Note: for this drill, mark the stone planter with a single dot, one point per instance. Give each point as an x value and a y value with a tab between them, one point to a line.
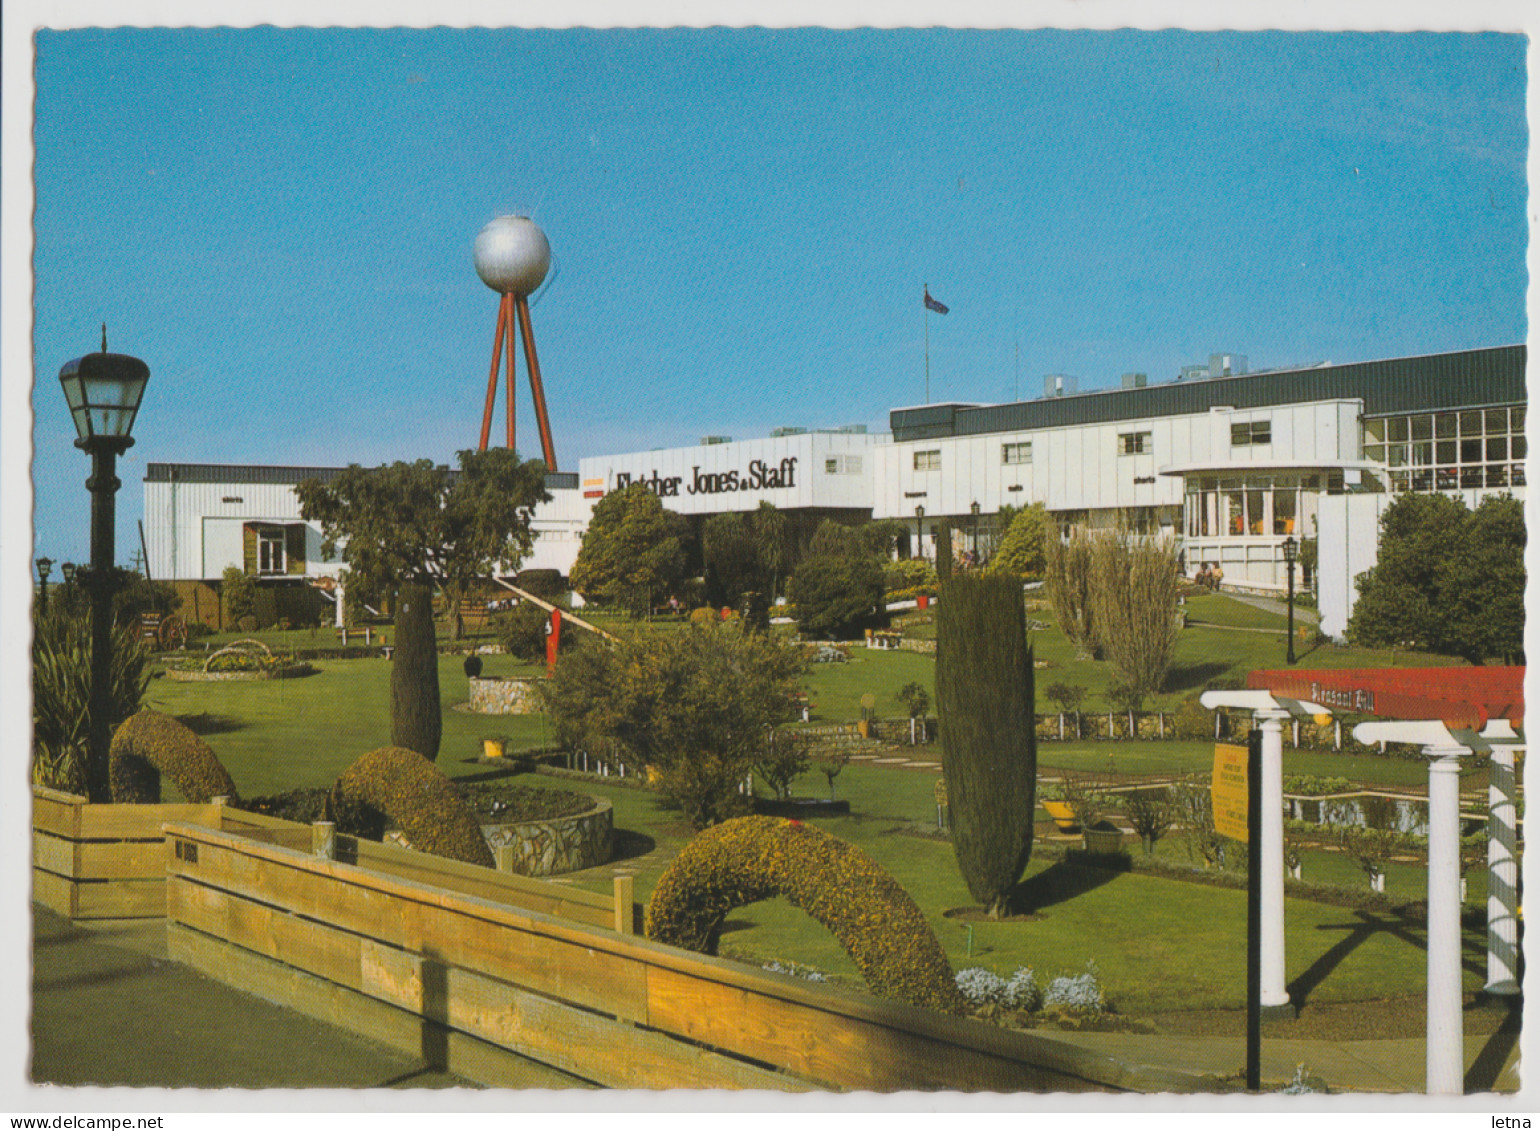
1103	840
555	845
517	696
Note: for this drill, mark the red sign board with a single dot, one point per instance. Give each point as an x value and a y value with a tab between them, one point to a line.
1461	697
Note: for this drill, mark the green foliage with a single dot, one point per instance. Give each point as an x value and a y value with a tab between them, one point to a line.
1448	579
731	554
694	705
631	555
1067	585
1021	552
785	760
61	693
908	575
1134	582
1194	805
416	721
1067	697
836	591
238	590
543	583
150	745
521	630
915	698
984	696
134	594
756	858
1192	719
1309	785
405	787
418	523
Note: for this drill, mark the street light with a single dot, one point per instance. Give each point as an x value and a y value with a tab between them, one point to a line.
919	530
103	391
976	555
1290	556
44	568
68	569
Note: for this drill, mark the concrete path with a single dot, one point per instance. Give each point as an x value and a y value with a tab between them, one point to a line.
1302	615
109	1008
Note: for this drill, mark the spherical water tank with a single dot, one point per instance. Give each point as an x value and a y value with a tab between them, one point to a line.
512	255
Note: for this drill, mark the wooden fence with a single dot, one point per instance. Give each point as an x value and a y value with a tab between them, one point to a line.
478	987
109	862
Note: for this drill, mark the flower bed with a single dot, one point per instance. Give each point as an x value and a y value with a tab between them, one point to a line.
514	696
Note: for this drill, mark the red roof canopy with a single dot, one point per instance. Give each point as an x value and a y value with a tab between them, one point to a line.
1463	697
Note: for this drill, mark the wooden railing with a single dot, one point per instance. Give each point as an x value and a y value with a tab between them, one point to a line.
435	965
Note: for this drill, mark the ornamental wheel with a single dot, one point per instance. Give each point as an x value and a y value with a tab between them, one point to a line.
172	634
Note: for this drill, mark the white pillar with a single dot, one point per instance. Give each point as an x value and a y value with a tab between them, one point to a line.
1502	876
1446	1037
1274	981
340	614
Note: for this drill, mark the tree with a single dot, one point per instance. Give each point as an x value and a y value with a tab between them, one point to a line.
404	528
771	532
731	553
834	595
1447	579
984	697
693	705
1134	581
1067	583
784	760
631	554
1020	552
239	592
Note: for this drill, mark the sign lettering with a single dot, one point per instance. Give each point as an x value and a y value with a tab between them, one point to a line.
1230	791
760	476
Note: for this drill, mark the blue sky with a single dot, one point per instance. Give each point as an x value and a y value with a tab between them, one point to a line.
280	223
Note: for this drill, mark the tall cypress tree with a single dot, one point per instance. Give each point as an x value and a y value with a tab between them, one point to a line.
415	719
984	695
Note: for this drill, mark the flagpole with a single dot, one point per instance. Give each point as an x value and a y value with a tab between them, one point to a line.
926	305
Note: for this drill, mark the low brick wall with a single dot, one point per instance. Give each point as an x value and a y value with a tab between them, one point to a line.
506	696
561	844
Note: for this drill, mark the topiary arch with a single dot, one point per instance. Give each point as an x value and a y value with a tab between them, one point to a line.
150	744
401	784
748	859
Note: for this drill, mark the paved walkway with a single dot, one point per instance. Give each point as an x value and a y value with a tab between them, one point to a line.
1272	605
109	1008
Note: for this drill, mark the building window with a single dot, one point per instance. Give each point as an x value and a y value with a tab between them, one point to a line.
842	465
1445	451
270	555
1134	443
1251	432
1016	453
928	460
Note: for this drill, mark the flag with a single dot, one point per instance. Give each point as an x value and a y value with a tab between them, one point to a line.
932	304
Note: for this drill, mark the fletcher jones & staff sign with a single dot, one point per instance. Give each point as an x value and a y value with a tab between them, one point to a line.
760	476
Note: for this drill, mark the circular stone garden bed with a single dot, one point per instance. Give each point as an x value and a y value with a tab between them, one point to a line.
245	659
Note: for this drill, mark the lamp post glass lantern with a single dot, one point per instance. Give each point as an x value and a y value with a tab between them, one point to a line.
1290	556
103	391
44	568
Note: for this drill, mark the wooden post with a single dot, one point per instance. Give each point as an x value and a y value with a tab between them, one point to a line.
323	839
625	923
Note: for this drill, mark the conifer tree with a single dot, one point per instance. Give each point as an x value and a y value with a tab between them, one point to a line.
984	696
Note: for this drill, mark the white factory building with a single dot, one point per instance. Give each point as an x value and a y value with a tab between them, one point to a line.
1228	462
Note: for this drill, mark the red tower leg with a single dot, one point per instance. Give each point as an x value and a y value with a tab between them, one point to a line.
497	354
547	448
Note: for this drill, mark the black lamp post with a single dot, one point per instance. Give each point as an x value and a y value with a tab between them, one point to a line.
103	390
68	569
44	568
977	557
919	531
1290	556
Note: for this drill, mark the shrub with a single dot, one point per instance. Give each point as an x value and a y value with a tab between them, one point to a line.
151	744
521	630
1193	720
61	697
909	574
404	786
1309	785
1022	991
753	858
988	733
1134	600
784	761
1079	995
981	986
836	595
543	583
238	590
1151	812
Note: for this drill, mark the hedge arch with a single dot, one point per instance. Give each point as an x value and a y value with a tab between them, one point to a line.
150	744
400	783
748	859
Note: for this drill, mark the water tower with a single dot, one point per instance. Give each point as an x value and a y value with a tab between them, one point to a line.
512	257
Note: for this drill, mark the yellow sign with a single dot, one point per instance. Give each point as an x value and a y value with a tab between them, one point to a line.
1229	791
